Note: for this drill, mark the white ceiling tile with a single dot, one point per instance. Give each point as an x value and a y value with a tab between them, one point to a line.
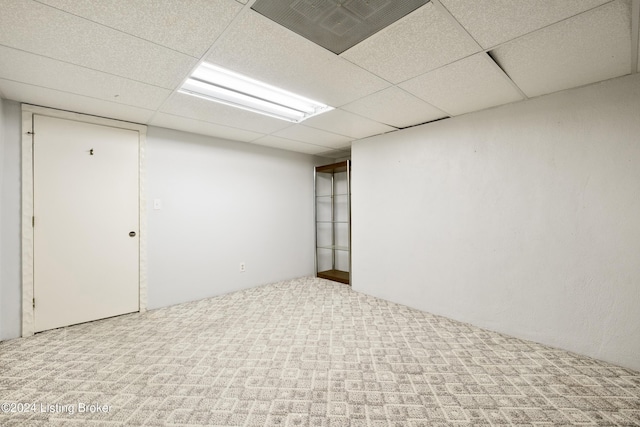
314	136
43	30
77	103
348	124
588	48
421	41
40	71
203	128
341	81
258	47
492	22
470	84
395	107
164	22
287	144
200	109
342	146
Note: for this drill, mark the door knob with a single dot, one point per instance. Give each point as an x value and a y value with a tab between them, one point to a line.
132	234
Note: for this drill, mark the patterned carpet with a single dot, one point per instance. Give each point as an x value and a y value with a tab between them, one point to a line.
305	352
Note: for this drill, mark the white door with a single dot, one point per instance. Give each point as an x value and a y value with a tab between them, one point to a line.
85	215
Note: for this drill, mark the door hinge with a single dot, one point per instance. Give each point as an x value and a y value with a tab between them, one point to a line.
34	303
33	221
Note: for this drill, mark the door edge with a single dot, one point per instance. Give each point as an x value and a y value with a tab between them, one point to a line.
27	232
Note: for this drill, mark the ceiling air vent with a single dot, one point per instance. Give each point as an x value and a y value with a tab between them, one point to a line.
336	25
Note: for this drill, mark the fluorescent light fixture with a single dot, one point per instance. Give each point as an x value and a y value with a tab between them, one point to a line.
216	84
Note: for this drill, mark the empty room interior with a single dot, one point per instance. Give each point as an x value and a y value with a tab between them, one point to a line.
319	212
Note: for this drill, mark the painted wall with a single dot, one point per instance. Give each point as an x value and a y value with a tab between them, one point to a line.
1	181
224	203
10	269
523	219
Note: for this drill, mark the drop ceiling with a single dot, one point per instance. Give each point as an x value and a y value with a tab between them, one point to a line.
126	59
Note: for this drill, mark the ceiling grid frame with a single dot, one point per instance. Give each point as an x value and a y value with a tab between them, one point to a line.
446	13
111	28
504	74
497	66
199	62
59	91
586	48
512	39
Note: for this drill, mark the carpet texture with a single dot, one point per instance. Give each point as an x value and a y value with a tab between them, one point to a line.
306	352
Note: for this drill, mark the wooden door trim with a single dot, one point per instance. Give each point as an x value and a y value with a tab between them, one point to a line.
28	111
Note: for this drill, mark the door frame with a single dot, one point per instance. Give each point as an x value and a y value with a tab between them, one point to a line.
28	111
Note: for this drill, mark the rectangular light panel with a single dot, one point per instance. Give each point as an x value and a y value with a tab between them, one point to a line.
217	84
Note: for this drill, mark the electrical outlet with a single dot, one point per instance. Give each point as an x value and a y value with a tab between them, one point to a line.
243	267
157	204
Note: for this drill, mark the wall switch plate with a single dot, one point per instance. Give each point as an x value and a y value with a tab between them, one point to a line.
157	204
243	267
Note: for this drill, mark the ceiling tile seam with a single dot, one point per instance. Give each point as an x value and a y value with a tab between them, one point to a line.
367	71
635	34
387	28
115	29
426	123
296	141
200	61
76	94
542	95
447	14
439	67
503	44
167	99
88	68
395	127
446	65
155	112
205	121
499	45
426	102
496	66
382	90
310	127
391	85
252	140
452	19
351	138
364	117
280	130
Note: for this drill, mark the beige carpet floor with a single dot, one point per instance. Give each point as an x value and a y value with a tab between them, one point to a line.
306	352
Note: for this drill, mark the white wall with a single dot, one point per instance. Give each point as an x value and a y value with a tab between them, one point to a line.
1	204
10	269
224	203
524	219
